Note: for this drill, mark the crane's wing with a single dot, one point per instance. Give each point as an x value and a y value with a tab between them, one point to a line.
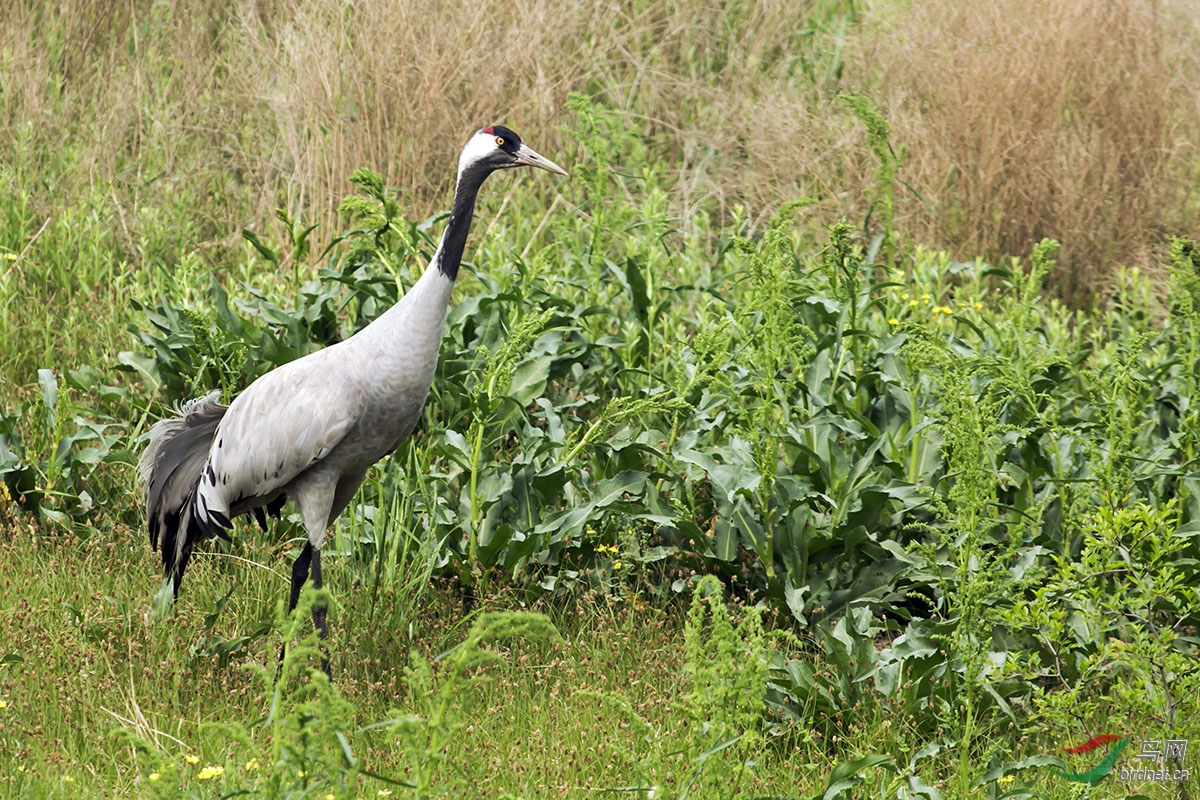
282	424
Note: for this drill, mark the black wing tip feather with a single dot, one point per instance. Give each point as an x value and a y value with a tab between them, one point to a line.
197	530
169	525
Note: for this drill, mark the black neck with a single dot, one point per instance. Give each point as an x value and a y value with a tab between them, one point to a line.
454	238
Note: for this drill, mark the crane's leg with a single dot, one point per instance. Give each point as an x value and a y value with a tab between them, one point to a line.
300	570
299	575
306	564
313	495
319	612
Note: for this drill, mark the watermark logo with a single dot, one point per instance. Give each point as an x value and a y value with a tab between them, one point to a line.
1156	752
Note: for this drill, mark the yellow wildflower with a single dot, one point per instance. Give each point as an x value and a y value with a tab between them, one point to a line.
251	765
904	295
616	565
3	704
68	779
893	321
191	759
209	772
913	303
978	304
153	776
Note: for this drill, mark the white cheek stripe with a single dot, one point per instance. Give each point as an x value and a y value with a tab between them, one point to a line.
480	146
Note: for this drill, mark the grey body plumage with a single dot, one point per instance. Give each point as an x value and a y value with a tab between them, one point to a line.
308	430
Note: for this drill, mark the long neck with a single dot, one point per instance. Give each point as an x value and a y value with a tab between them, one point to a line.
450	252
416	320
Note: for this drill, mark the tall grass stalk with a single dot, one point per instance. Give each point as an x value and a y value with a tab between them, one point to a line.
970	425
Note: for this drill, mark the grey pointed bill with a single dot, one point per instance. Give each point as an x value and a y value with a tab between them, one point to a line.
528	158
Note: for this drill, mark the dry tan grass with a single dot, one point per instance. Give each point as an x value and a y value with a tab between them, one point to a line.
283	98
399	84
1075	120
1021	119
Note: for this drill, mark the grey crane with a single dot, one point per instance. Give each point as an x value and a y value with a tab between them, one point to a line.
309	430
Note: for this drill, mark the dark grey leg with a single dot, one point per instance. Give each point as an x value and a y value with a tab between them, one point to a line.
319	612
300	575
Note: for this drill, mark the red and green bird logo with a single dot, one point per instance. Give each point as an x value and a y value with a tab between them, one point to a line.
1106	764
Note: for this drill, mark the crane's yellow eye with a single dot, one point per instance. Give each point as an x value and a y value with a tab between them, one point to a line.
499	141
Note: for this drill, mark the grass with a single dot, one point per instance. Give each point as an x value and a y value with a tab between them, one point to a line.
954	521
542	721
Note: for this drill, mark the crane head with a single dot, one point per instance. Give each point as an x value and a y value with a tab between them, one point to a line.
497	147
